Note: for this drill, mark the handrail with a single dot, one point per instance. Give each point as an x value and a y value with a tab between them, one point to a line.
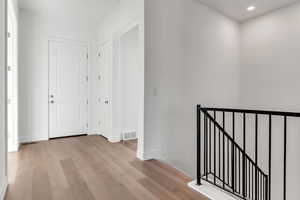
239	165
233	142
210	115
262	112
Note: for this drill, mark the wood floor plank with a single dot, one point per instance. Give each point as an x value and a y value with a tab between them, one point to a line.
78	187
160	192
129	180
168	182
131	144
126	175
91	168
40	179
172	171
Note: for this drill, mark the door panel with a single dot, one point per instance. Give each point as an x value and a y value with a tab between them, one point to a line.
67	89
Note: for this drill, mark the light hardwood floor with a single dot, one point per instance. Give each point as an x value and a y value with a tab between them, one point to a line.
89	167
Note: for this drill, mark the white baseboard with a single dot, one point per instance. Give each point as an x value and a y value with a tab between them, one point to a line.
166	161
30	140
210	191
92	133
151	154
114	140
14	148
140	155
3	189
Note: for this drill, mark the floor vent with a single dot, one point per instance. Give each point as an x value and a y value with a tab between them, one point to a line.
129	135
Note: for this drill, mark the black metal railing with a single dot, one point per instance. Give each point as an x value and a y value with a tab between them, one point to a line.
223	156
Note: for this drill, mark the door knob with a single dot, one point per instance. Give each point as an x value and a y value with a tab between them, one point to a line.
52	101
51	96
106	102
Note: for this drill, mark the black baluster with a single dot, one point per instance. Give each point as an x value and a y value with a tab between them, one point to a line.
214	148
223	160
270	156
284	168
199	145
256	155
233	172
223	151
210	148
244	156
205	131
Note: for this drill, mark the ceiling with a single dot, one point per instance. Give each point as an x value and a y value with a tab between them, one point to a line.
237	9
88	9
96	9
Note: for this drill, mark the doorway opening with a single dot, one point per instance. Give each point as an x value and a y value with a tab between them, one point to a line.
130	87
120	98
12	79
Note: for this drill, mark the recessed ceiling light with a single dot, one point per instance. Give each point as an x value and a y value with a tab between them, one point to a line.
251	8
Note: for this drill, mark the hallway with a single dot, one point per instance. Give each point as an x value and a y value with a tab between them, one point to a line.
89	167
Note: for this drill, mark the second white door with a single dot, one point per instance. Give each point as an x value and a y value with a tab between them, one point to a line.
105	91
68	88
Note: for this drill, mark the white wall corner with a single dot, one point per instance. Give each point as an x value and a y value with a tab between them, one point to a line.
3	189
151	154
140	155
14	148
114	139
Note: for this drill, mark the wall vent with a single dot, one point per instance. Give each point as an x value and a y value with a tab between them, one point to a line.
129	135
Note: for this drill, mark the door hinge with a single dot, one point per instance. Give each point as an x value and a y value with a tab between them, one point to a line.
8	34
87	125
9	68
87	101
99	54
87	78
87	56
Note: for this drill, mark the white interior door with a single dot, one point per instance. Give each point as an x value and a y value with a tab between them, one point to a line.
105	92
68	88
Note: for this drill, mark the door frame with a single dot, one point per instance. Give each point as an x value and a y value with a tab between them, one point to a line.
140	154
5	96
11	13
111	137
61	39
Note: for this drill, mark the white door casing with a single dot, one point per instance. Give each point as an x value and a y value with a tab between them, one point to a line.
105	64
68	88
11	83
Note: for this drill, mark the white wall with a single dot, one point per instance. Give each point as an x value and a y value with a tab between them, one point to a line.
3	142
129	67
270	60
270	47
35	31
192	57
